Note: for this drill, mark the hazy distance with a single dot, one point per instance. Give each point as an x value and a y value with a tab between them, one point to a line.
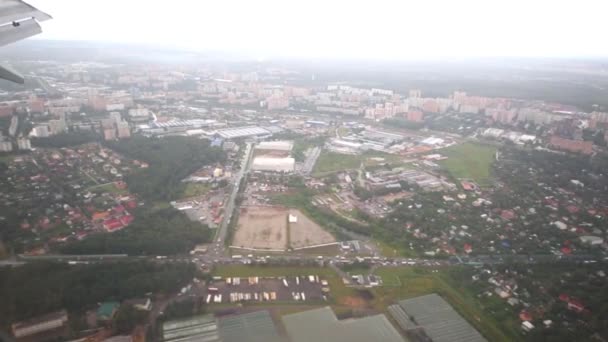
380	29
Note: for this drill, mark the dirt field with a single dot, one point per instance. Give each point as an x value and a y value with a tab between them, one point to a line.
305	232
261	228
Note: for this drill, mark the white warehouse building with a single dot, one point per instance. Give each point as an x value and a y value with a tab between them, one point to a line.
273	164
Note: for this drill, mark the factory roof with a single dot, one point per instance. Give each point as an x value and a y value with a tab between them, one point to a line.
438	319
322	325
237	132
255	326
282	145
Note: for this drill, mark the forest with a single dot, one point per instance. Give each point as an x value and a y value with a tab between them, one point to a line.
170	160
42	287
159	232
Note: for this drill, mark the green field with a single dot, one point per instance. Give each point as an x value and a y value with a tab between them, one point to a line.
417	281
195	189
108	187
469	161
330	162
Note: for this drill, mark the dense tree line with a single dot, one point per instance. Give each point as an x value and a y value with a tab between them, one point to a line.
38	288
65	139
160	232
170	159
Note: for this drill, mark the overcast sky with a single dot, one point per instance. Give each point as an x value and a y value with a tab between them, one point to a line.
394	29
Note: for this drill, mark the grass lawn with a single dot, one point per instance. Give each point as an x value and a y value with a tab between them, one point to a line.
416	282
343	131
195	189
469	160
109	187
389	251
330	162
6	158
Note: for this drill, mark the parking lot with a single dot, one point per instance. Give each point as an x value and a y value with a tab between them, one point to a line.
283	289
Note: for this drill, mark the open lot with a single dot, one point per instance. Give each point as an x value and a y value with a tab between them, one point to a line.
469	161
306	232
261	228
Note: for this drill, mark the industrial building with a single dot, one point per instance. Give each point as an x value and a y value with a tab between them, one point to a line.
440	321
255	326
268	164
198	328
323	325
280	145
243	132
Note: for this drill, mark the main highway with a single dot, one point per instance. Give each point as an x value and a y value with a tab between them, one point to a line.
217	250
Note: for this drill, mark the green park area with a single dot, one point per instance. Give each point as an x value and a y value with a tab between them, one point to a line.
469	161
331	162
108	187
399	283
195	189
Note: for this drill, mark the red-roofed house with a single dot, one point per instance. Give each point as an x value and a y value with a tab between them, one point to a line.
112	224
100	215
131	204
576	146
572	209
575	305
120	185
566	250
118	209
468	186
468	248
126	219
564	297
525	315
507	214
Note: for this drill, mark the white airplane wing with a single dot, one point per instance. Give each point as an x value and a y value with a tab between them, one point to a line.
18	20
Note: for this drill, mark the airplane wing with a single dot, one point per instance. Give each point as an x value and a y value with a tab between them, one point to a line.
18	20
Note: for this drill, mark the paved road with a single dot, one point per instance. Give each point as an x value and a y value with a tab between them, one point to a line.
222	230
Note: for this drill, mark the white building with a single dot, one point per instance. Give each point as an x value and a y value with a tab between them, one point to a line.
592	240
24	144
6	146
40	131
273	164
282	145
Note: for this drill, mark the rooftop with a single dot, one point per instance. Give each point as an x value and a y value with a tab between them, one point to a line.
322	325
252	327
199	328
439	320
